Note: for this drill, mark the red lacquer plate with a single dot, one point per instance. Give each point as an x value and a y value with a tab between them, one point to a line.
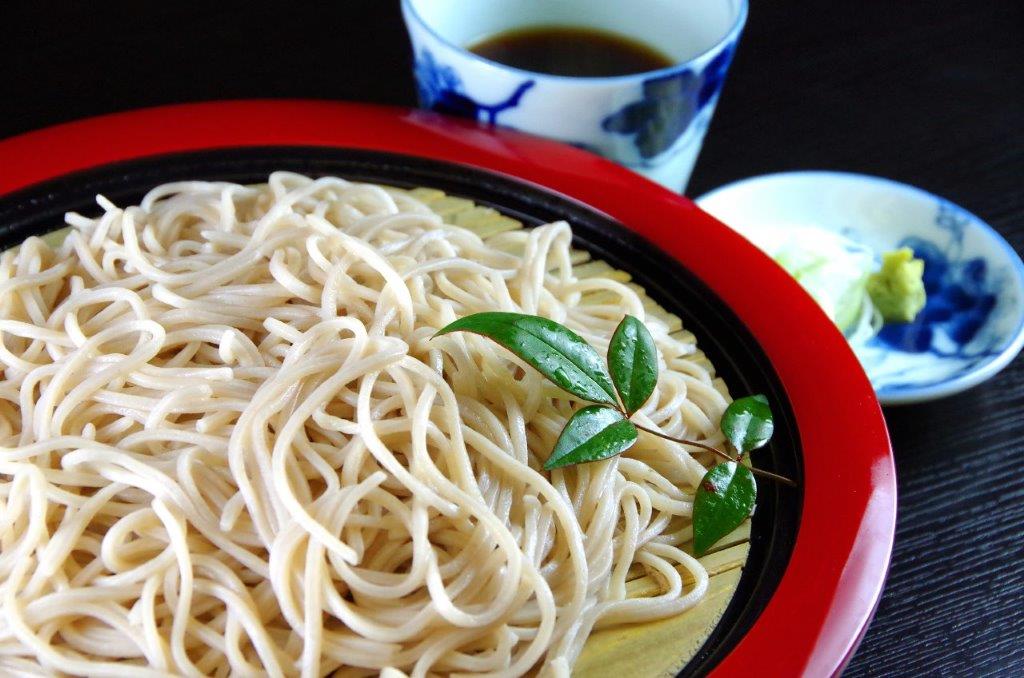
817	573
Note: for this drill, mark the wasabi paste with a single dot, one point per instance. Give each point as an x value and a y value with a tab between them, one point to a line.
897	289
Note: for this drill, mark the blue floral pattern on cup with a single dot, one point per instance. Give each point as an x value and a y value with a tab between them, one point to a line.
440	89
655	129
669	105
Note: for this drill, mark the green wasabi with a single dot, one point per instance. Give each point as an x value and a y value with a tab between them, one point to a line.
897	289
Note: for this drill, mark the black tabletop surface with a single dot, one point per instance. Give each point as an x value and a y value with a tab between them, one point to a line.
930	92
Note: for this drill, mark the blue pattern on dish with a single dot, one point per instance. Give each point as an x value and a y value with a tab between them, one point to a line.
954	324
440	89
668	106
959	303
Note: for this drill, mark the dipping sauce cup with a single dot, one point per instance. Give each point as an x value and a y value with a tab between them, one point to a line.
652	122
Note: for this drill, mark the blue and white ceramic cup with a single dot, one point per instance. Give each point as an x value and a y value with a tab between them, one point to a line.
652	122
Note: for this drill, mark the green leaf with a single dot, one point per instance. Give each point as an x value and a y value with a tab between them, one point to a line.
725	498
633	360
747	423
593	433
554	350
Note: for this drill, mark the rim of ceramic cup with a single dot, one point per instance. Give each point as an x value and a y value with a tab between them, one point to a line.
728	37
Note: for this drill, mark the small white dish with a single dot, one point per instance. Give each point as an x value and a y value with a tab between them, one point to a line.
973	323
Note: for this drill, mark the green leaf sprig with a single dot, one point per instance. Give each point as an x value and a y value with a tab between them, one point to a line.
727	493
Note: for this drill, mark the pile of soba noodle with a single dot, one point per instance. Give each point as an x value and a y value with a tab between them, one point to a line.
230	446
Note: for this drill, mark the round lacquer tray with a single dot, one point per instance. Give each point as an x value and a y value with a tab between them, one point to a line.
799	594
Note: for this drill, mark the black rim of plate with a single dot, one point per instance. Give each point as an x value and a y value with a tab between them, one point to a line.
730	346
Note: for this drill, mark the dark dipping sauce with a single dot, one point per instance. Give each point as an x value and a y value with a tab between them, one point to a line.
570	51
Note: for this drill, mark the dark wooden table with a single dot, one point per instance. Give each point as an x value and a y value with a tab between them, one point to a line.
929	92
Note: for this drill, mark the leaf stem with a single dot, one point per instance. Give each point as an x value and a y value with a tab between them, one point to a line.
715	450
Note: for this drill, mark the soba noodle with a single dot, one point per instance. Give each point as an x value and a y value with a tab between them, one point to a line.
229	445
